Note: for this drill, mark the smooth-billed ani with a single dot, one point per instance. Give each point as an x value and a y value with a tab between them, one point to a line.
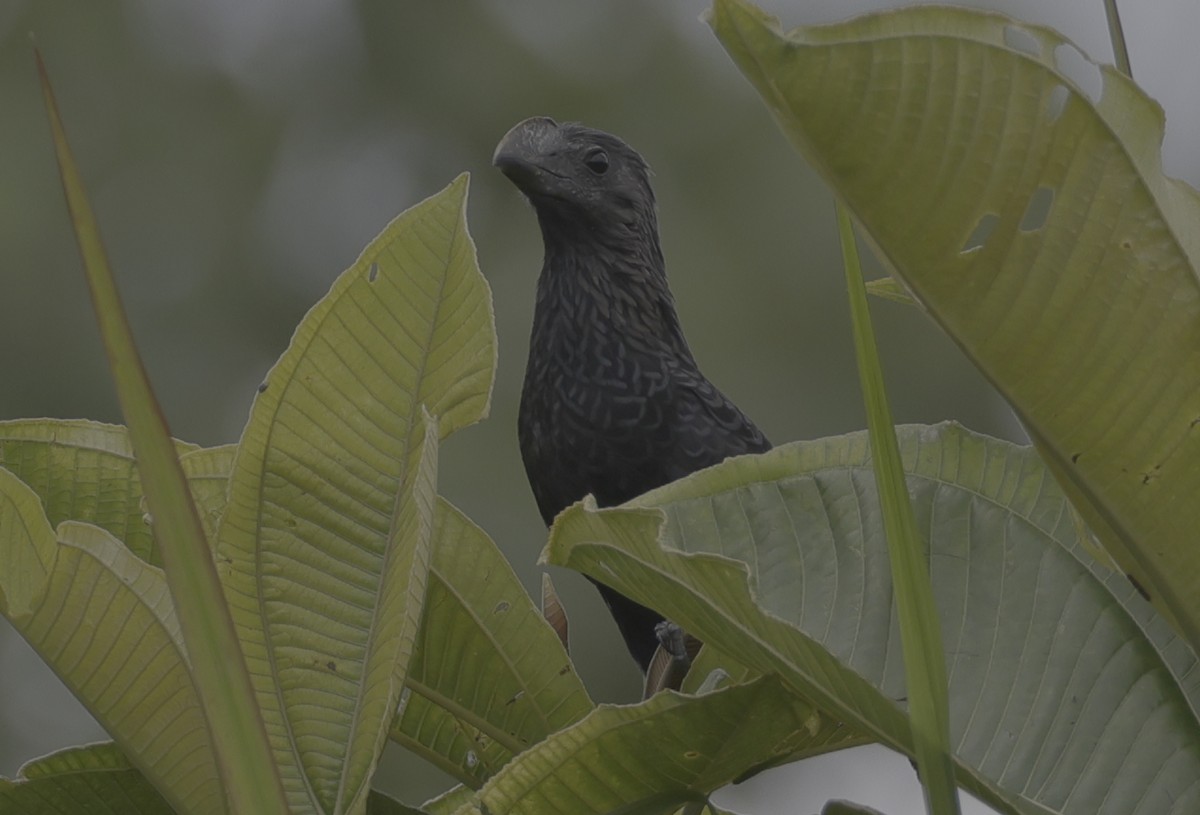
613	402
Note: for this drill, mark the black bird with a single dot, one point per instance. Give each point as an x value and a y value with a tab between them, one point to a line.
613	402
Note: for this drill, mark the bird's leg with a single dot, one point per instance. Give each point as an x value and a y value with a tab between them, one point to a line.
672	660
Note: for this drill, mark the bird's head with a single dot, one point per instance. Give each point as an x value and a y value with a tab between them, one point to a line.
578	176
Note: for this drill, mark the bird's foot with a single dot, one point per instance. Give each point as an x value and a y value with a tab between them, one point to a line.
671	661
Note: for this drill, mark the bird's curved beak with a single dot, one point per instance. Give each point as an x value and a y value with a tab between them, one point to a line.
521	154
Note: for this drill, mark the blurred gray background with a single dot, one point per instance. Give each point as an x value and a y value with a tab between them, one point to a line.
240	154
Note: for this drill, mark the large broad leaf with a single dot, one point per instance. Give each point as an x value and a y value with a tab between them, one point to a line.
449	801
324	542
1067	693
1017	190
489	677
103	620
712	670
98	780
85	471
93	780
650	758
484	652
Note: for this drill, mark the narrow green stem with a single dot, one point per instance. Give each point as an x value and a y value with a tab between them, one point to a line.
241	748
1117	34
920	630
505	740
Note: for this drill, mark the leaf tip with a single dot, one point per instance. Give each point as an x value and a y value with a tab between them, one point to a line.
460	185
43	74
735	14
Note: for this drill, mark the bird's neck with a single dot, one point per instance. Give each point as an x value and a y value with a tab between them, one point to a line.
608	288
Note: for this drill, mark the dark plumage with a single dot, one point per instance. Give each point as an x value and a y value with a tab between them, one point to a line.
613	402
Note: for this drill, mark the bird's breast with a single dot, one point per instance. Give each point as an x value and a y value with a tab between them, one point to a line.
603	387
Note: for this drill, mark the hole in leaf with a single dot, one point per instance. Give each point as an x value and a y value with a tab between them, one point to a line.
1037	210
373	273
1080	70
983	231
1020	39
1056	103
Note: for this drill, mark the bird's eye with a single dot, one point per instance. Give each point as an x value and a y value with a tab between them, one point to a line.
596	161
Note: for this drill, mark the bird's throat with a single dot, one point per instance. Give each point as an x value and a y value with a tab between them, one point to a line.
605	297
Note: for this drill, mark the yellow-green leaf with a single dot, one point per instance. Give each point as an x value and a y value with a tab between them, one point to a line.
779	561
329	470
207	472
130	669
490	677
1017	190
890	289
649	758
96	780
85	471
99	780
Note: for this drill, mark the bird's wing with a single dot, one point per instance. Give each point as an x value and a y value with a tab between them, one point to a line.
707	426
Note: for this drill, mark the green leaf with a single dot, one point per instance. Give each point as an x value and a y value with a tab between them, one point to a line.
99	780
380	804
449	801
507	673
1033	222
207	472
1067	694
396	620
130	669
243	754
85	471
27	549
890	289
920	633
649	758
331	500
709	809
712	670
490	677
92	780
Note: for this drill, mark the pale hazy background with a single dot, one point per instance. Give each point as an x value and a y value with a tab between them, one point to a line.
240	154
